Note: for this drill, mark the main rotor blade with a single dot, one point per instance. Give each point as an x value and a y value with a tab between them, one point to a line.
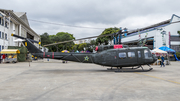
136	30
76	40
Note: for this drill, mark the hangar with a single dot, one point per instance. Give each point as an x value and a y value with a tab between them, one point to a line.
164	33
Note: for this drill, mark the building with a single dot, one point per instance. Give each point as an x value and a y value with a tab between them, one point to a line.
161	34
14	23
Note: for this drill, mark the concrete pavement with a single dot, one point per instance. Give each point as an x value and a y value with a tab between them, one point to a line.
54	81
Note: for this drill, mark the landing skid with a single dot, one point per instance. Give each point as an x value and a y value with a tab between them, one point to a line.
130	70
110	68
119	69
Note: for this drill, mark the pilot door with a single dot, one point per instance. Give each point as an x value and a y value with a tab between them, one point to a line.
147	56
140	57
111	58
127	58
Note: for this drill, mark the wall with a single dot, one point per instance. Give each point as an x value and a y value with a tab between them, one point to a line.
156	34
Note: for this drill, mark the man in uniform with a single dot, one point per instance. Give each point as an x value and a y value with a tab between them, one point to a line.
162	61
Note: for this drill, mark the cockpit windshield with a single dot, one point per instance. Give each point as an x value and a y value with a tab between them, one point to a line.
147	54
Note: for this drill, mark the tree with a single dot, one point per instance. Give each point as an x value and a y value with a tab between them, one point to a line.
179	33
82	46
91	46
106	39
45	39
59	37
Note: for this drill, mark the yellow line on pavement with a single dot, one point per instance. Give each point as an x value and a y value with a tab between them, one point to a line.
158	78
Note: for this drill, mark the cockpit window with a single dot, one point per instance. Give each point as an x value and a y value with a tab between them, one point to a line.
131	54
147	54
122	55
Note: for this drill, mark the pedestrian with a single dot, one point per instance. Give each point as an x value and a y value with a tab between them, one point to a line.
0	58
3	57
162	61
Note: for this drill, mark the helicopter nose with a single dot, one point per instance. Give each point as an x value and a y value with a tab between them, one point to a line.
154	57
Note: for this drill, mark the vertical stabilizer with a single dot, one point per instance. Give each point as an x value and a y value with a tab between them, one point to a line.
31	47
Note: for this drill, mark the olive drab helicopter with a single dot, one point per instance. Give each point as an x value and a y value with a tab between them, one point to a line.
107	55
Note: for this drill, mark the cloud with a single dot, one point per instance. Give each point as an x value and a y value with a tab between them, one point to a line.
132	14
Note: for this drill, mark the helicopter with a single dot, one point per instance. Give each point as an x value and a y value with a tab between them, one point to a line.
107	55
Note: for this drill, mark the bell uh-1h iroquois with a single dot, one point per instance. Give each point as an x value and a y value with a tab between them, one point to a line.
108	55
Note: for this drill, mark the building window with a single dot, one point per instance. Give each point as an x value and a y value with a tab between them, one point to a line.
0	34
122	55
0	21
6	24
3	35
3	22
2	47
131	54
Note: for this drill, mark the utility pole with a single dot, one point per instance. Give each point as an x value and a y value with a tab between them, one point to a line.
163	33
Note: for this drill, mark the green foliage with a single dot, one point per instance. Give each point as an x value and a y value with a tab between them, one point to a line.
59	37
82	46
179	32
65	36
178	54
75	47
105	39
91	46
45	39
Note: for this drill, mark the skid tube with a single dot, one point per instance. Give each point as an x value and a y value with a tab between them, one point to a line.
119	69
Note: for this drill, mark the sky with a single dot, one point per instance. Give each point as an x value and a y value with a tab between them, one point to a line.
86	18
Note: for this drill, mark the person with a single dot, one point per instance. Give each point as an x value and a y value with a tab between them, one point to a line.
162	61
0	58
3	57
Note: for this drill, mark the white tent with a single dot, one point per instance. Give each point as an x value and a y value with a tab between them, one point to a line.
158	51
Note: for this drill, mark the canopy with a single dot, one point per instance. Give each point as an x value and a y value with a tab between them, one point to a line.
158	51
65	51
164	48
10	51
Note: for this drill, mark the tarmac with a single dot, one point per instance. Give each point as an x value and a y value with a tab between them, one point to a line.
53	80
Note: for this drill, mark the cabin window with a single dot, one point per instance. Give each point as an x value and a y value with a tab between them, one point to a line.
147	54
111	47
105	48
5	36
131	54
139	54
122	55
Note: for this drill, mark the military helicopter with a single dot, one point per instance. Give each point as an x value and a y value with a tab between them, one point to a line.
108	55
